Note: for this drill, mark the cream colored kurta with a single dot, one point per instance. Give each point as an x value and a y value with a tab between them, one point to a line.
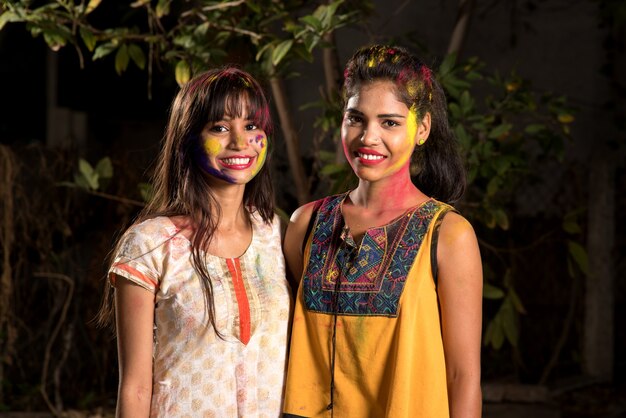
197	374
389	359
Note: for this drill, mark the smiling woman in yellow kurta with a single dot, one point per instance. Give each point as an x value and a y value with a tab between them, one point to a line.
389	359
388	319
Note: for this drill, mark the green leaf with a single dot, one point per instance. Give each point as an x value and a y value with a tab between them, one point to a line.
492	292
261	51
501	219
139	3
89	175
327	156
579	255
163	8
7	17
103	50
92	5
88	38
516	301
182	73
493	186
466	102
312	21
254	6
497	337
280	51
508	319
54	39
146	191
121	59
137	55
448	64
330	169
534	128
571	227
455	111
500	130
104	168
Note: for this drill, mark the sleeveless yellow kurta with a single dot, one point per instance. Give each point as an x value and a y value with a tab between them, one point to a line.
388	350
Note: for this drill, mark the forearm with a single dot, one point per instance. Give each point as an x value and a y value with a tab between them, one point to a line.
464	396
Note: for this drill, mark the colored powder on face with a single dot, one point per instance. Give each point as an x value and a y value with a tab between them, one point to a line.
241	141
262	155
409	143
259	140
218	174
411	123
212	146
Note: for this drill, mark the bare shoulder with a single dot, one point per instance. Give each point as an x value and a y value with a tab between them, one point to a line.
458	254
302	215
456	231
293	244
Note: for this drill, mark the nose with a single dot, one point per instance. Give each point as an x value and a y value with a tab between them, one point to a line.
370	137
238	139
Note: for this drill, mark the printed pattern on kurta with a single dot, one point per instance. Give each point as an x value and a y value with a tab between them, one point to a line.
195	373
389	351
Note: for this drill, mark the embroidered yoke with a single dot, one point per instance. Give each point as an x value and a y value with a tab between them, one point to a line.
388	349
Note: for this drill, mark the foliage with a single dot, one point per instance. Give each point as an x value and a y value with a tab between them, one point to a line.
188	36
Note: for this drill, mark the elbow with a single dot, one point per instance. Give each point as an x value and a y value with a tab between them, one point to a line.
134	399
464	394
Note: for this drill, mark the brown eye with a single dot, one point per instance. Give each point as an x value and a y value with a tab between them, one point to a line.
390	123
353	119
218	128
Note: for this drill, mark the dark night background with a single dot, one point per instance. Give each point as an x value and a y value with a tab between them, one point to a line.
52	112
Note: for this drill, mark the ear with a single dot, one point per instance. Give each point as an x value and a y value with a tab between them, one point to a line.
423	130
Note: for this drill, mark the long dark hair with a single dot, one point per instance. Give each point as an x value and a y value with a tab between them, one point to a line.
180	186
441	171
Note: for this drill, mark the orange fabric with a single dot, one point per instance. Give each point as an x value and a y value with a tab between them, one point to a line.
136	273
242	299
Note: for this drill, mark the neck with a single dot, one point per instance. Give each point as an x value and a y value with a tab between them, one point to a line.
397	192
230	200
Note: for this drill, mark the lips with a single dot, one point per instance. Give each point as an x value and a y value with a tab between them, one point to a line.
236	162
369	157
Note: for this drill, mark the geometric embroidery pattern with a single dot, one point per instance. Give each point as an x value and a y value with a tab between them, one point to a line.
367	280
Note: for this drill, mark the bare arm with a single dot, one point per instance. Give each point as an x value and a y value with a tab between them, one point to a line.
292	245
460	295
134	312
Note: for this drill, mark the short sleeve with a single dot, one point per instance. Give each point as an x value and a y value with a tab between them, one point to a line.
140	256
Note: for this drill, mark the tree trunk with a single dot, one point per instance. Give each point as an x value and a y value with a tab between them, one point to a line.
461	26
599	314
291	139
331	75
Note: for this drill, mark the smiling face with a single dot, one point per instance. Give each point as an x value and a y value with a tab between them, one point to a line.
233	149
379	132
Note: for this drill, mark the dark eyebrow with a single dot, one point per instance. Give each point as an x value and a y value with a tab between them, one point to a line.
352	110
390	115
381	116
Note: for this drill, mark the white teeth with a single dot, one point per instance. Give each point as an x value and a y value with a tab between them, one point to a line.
236	161
371	157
